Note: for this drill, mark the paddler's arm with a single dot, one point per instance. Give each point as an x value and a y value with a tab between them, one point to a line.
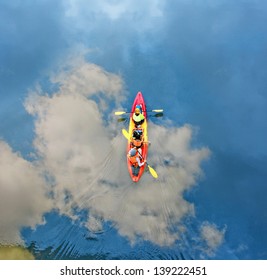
139	162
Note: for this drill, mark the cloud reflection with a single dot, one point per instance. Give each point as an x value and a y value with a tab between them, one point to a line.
86	159
80	161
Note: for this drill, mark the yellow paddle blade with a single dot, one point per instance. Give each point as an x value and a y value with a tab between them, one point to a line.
120	113
157	110
125	134
152	171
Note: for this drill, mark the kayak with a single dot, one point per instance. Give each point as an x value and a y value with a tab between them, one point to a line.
137	138
138	101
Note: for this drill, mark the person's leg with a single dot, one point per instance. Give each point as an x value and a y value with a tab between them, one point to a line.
135	170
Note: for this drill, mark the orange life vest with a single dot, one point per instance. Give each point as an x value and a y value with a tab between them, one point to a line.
133	160
137	143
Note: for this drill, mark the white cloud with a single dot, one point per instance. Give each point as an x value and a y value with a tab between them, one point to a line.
23	197
87	79
85	160
212	236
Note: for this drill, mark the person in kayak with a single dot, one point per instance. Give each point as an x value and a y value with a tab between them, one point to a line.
137	139
138	117
136	161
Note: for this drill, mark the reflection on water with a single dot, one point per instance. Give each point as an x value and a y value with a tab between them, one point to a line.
94	210
111	220
60	238
99	213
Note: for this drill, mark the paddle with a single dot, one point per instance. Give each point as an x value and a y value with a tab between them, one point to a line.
125	134
123	112
158	115
151	169
122	119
